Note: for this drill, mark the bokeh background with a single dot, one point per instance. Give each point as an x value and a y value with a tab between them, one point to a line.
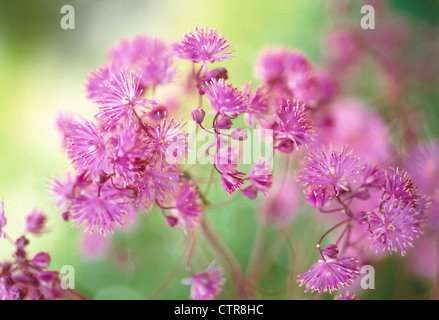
42	72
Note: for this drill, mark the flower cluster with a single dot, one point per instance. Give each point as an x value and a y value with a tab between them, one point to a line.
333	181
27	278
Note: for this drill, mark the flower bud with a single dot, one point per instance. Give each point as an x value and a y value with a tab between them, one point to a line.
35	222
21	242
224	123
198	115
250	192
331	251
41	260
171	221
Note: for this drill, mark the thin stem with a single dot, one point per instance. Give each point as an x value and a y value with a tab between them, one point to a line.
191	250
168	280
209	180
8	237
226	202
327	232
258	248
222	250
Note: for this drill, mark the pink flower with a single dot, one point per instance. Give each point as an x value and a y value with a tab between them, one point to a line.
335	170
400	186
100	210
156	182
205	45
292	127
224	98
86	149
169	141
261	177
258	104
205	285
394	226
330	275
120	100
187	205
288	74
151	58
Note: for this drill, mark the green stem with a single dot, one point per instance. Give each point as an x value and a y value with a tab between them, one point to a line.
229	260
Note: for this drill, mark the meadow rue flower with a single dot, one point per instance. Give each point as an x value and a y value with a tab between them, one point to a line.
169	140
292	127
399	185
156	182
224	98
87	149
334	170
288	73
257	102
151	58
120	100
100	210
261	176
330	275
202	46
205	285
394	226
187	206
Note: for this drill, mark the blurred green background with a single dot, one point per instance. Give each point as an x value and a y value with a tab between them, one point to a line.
42	72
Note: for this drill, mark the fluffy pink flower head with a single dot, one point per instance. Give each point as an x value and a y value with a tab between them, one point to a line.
100	210
261	178
86	149
224	98
335	170
399	185
149	57
292	127
288	73
156	183
257	103
2	219
120	100
330	275
204	45
205	285
187	205
169	140
394	226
